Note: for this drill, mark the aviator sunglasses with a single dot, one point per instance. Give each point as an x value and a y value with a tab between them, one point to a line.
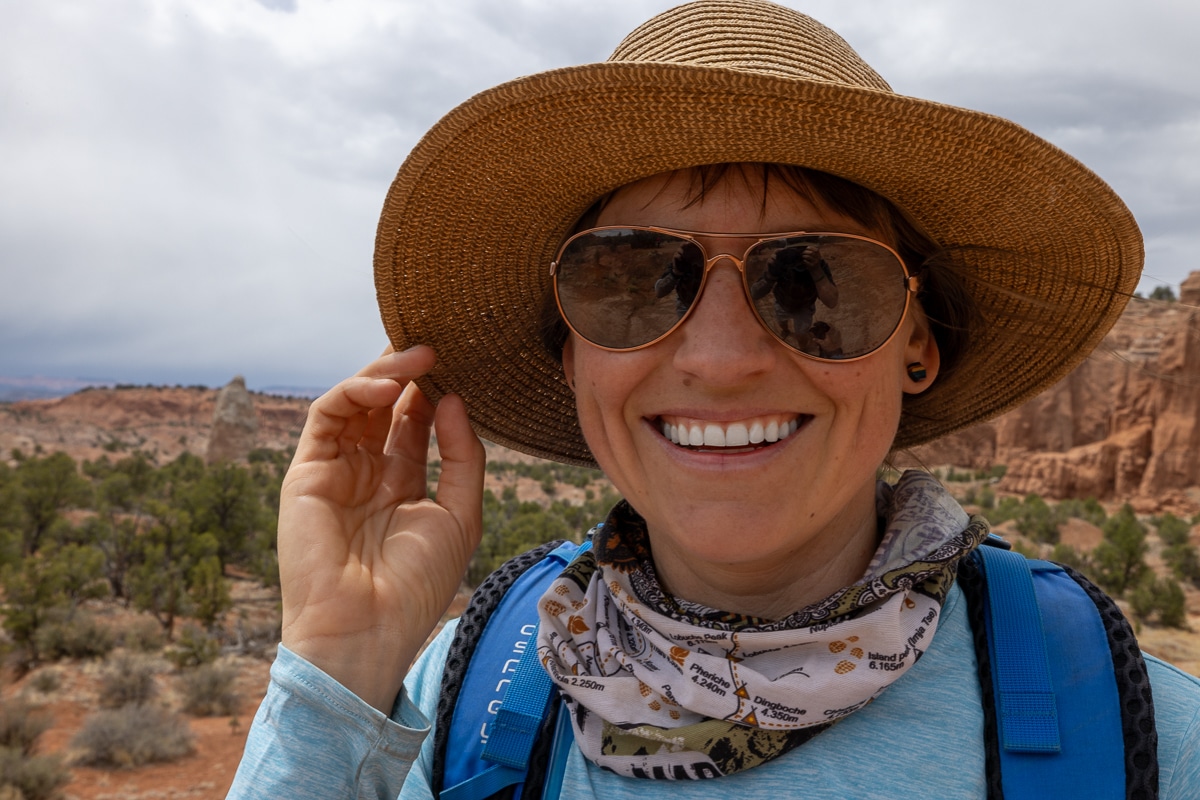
828	296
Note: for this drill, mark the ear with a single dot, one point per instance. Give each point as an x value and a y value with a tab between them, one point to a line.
568	361
921	348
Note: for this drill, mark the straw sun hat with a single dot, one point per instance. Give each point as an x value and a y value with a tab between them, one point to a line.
480	206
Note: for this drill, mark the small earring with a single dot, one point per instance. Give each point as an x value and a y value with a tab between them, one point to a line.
916	371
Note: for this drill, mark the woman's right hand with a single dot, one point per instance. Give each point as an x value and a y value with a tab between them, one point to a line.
367	563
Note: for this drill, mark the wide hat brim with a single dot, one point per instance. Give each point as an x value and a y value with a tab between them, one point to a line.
479	208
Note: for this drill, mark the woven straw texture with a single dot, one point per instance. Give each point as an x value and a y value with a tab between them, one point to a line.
480	206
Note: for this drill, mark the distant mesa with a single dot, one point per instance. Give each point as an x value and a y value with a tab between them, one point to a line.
235	424
40	387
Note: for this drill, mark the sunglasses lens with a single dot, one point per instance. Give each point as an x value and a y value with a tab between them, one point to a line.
828	296
831	297
625	287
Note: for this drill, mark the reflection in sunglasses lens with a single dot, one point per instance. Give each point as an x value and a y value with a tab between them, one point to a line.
831	297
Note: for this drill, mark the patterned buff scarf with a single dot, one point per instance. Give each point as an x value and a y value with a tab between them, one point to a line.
662	688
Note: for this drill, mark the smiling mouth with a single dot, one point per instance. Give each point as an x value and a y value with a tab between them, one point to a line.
744	434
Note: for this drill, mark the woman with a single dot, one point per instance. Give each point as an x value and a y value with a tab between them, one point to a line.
759	608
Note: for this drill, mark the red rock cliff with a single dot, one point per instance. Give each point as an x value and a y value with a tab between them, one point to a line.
1124	425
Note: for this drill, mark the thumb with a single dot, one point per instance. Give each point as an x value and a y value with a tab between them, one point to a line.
460	485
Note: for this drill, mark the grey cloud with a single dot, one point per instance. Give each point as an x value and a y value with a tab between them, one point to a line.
189	202
288	6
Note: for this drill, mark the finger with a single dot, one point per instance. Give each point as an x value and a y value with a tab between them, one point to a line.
402	366
411	424
331	415
375	432
398	367
379	420
460	486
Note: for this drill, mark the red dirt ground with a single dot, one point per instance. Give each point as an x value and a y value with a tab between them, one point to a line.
206	773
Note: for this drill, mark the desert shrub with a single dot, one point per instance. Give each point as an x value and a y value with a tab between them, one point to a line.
1183	561
1161	597
21	725
24	777
1088	510
46	680
257	638
1008	508
1037	520
143	635
131	736
193	648
23	774
1066	554
1026	548
78	636
1119	559
208	691
209	591
987	498
1172	530
127	681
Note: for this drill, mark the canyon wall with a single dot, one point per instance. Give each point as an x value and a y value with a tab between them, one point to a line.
1124	425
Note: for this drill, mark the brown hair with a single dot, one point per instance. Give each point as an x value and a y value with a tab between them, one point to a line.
944	298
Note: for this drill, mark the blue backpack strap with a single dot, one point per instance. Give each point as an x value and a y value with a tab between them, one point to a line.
483	603
1056	700
506	696
564	737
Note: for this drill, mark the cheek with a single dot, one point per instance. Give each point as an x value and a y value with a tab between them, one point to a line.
612	392
601	381
867	397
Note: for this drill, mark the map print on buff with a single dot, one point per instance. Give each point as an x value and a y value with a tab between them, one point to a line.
659	686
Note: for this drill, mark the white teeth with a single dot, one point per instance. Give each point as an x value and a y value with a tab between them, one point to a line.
736	435
714	436
756	432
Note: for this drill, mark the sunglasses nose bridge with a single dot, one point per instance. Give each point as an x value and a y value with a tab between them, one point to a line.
711	263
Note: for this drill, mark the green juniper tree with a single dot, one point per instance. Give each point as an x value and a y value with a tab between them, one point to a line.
1120	559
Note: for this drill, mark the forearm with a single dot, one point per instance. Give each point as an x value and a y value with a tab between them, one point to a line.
313	738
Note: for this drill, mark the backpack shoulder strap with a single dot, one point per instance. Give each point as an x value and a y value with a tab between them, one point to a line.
1055	716
495	704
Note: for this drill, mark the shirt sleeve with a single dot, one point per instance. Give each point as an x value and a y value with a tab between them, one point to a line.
1177	717
314	738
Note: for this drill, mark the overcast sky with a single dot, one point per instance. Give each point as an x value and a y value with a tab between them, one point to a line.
189	188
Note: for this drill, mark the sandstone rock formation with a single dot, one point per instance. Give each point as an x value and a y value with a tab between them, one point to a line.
160	421
1124	425
235	424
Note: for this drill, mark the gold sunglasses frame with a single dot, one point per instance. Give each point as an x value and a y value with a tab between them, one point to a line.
912	283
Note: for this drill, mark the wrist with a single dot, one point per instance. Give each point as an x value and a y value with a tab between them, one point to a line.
374	673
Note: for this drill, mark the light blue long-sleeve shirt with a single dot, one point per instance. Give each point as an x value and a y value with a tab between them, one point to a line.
923	737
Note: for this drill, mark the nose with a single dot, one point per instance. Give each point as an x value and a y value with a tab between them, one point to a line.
722	343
